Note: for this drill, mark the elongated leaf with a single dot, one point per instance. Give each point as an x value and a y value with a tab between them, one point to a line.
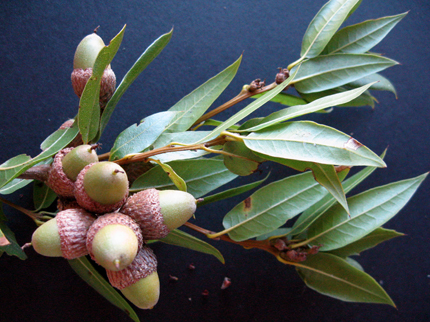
179	238
324	25
313	213
369	210
376	237
296	111
332	276
285	99
43	196
231	192
137	138
331	71
12	168
201	176
8	242
177	180
271	206
242	160
365	99
192	106
89	274
239	116
354	8
362	37
14	185
182	138
89	108
139	66
309	141
382	83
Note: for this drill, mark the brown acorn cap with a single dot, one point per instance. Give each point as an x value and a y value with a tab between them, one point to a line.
112	219
73	225
143	265
57	179
67	203
85	201
107	86
144	208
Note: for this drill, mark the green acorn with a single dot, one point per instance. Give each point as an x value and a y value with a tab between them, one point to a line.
83	64
101	187
65	235
139	282
159	212
113	241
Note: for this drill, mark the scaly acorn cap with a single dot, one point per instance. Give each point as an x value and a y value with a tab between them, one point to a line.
57	179
110	180
113	241
65	235
159	212
143	265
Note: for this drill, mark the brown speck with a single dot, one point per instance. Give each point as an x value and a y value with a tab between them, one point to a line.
248	203
352	144
191	267
205	293
226	283
173	278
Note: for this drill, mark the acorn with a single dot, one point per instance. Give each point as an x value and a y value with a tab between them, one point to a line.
113	241
101	187
159	212
65	167
83	64
65	235
139	282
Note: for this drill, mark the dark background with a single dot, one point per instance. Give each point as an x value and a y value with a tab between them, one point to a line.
38	40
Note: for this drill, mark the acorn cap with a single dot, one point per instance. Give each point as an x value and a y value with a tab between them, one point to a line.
85	201
57	179
144	208
112	219
143	265
67	203
73	225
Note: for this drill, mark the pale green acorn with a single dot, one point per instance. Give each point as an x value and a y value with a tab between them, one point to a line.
139	282
63	236
83	64
159	212
113	241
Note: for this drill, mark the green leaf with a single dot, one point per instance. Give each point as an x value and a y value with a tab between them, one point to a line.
324	25
296	111
43	196
182	138
376	237
179	238
313	213
284	99
354	8
8	241
230	192
369	210
239	116
14	185
242	160
312	142
271	206
89	274
89	108
139	66
331	71
362	37
138	137
334	277
365	99
201	176
212	122
192	106
382	83
12	168
177	180
280	232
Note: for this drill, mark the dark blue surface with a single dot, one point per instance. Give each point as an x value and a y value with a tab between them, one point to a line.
38	40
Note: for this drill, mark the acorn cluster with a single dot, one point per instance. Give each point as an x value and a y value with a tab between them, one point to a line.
98	217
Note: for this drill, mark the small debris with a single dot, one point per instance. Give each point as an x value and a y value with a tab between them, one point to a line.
191	267
173	278
190	299
205	293
226	283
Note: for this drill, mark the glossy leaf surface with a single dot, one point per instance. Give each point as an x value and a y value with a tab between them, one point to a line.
43	196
